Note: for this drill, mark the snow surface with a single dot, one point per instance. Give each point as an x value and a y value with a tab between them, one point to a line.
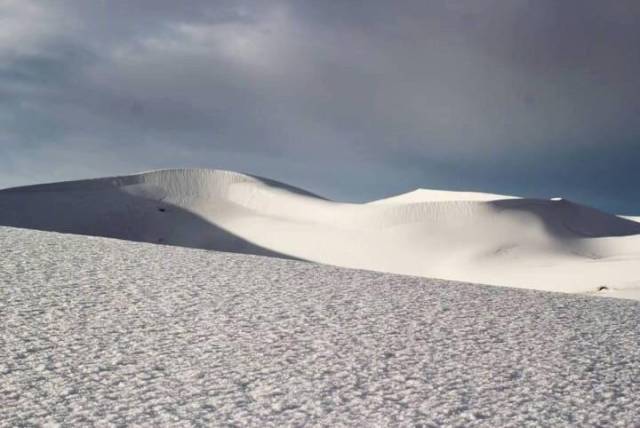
112	332
429	195
555	245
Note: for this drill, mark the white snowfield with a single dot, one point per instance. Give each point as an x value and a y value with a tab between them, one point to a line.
108	332
555	244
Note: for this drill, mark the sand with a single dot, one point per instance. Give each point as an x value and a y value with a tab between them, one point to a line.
107	332
553	245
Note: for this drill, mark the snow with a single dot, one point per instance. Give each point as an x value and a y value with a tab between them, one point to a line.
113	332
430	195
553	245
632	218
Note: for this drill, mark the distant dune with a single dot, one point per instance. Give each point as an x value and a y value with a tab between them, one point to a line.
553	245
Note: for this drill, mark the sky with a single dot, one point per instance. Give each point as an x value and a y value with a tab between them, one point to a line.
351	99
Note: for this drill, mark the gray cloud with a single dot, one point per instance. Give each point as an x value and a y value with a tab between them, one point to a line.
355	99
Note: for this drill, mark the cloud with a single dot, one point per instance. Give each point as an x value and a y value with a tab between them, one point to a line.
25	25
490	95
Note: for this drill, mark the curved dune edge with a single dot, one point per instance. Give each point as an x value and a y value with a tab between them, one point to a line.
554	245
430	195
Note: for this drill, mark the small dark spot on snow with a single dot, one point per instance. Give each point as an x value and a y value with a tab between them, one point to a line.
162	209
516	374
603	288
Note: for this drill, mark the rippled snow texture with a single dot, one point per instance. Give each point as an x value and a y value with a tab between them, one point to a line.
99	330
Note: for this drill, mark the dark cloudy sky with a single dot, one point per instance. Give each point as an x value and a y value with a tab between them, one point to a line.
352	99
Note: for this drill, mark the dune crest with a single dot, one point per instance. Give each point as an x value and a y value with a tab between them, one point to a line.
430	195
554	244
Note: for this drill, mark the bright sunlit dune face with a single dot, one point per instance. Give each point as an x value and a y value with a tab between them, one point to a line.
496	239
429	195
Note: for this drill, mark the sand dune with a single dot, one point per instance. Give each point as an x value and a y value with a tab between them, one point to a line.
106	332
556	245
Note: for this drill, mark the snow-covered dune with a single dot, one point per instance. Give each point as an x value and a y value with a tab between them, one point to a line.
496	239
104	332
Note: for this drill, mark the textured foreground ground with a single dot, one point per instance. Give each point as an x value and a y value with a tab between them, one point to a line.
99	330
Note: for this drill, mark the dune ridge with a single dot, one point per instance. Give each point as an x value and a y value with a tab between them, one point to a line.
556	245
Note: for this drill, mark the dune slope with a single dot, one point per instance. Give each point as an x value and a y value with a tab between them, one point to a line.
541	244
115	333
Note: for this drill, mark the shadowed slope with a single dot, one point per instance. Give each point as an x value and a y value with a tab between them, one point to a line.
135	208
566	218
